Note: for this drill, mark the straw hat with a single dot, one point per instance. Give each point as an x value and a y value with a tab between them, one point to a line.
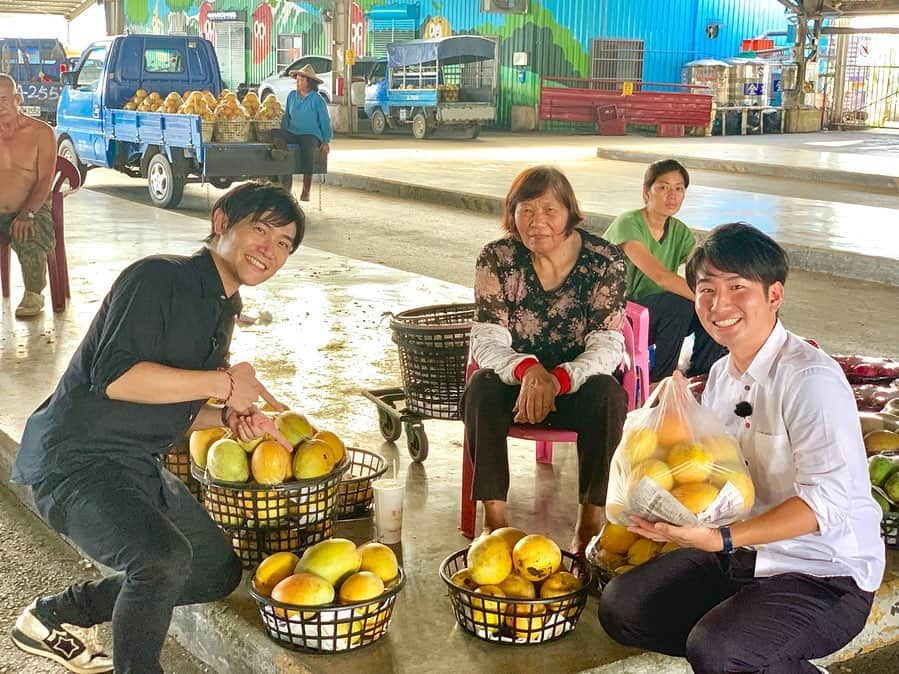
306	71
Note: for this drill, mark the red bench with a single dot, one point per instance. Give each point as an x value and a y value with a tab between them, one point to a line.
669	111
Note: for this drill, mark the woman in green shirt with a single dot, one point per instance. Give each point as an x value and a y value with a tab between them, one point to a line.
656	245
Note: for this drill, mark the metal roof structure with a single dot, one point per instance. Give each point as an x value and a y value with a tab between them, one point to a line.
817	8
67	8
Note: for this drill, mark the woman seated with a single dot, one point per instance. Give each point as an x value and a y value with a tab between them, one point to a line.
657	244
547	337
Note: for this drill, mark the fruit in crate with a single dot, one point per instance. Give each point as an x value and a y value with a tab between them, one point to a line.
251	103
891	487
463	578
525	620
312	459
517	587
302	589
536	557
510	534
334	560
558	585
265	506
270	463
360	586
273	570
294	426
336	448
201	441
881	441
380	560
490	560
227	461
486	611
880	468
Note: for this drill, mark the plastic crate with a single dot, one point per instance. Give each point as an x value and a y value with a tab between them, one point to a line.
516	621
433	348
331	628
355	495
889	529
177	462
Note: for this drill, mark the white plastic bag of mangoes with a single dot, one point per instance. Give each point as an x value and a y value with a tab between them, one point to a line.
676	463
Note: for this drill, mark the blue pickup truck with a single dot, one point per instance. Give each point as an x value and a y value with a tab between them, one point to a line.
168	149
36	65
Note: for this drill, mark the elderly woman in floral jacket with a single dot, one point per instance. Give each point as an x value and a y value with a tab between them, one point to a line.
547	336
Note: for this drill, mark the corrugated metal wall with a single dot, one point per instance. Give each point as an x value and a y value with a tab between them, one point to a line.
557	35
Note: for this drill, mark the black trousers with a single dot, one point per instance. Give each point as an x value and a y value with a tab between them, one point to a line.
596	411
671	319
709	607
164	547
309	147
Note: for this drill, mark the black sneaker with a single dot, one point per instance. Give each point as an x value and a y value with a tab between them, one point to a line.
73	648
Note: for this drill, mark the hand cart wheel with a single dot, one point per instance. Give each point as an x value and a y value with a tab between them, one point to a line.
390	425
417	441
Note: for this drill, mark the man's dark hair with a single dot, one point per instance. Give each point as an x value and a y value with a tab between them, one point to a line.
657	168
262	202
535	182
740	248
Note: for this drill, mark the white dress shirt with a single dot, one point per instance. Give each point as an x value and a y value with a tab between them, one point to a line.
803	438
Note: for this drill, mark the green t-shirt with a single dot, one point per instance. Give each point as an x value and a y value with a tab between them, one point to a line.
672	251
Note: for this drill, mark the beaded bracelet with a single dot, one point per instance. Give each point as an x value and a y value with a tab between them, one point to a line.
226	400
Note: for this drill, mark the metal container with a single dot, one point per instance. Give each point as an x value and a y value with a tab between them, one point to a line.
748	81
709	73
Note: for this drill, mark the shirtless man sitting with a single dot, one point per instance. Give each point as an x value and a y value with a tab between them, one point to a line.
27	165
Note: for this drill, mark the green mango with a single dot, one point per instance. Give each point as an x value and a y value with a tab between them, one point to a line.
891	487
880	468
881	501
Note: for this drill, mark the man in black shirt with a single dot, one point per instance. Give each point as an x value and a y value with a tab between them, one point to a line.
153	356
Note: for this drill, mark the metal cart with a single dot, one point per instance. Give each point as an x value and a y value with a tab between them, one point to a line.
433	346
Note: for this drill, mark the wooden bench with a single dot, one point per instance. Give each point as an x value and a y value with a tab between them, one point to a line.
669	111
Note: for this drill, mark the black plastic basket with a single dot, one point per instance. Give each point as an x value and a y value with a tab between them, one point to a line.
355	495
177	462
333	628
516	621
433	347
300	503
254	545
889	529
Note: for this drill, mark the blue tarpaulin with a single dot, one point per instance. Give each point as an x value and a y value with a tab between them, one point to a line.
447	50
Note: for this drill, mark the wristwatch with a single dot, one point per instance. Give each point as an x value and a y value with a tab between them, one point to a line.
28	214
727	542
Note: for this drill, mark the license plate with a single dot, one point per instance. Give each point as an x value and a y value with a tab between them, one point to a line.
32	110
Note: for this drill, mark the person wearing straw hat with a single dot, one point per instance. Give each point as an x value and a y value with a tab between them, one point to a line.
305	123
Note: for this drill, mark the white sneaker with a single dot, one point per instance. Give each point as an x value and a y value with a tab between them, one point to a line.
31	305
74	648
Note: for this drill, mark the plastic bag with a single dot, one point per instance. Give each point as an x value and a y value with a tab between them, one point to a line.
676	463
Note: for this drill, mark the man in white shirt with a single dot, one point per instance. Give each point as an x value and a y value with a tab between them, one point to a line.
795	580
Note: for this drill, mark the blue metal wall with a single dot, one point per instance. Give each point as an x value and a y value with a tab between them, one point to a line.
557	34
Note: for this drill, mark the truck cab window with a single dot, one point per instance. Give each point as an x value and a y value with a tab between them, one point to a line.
91	69
163	61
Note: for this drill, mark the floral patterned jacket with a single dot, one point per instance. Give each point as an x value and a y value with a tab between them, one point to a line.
576	326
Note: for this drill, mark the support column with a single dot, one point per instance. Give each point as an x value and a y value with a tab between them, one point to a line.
115	16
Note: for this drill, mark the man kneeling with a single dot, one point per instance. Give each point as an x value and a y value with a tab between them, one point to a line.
796	580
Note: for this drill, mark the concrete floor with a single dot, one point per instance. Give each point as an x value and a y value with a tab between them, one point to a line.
328	339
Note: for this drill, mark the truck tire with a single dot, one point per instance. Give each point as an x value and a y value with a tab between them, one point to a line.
221	183
420	128
66	150
378	122
166	186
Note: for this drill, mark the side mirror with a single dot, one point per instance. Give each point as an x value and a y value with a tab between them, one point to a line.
68	78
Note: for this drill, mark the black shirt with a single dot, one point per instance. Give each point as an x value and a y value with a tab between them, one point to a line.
164	309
